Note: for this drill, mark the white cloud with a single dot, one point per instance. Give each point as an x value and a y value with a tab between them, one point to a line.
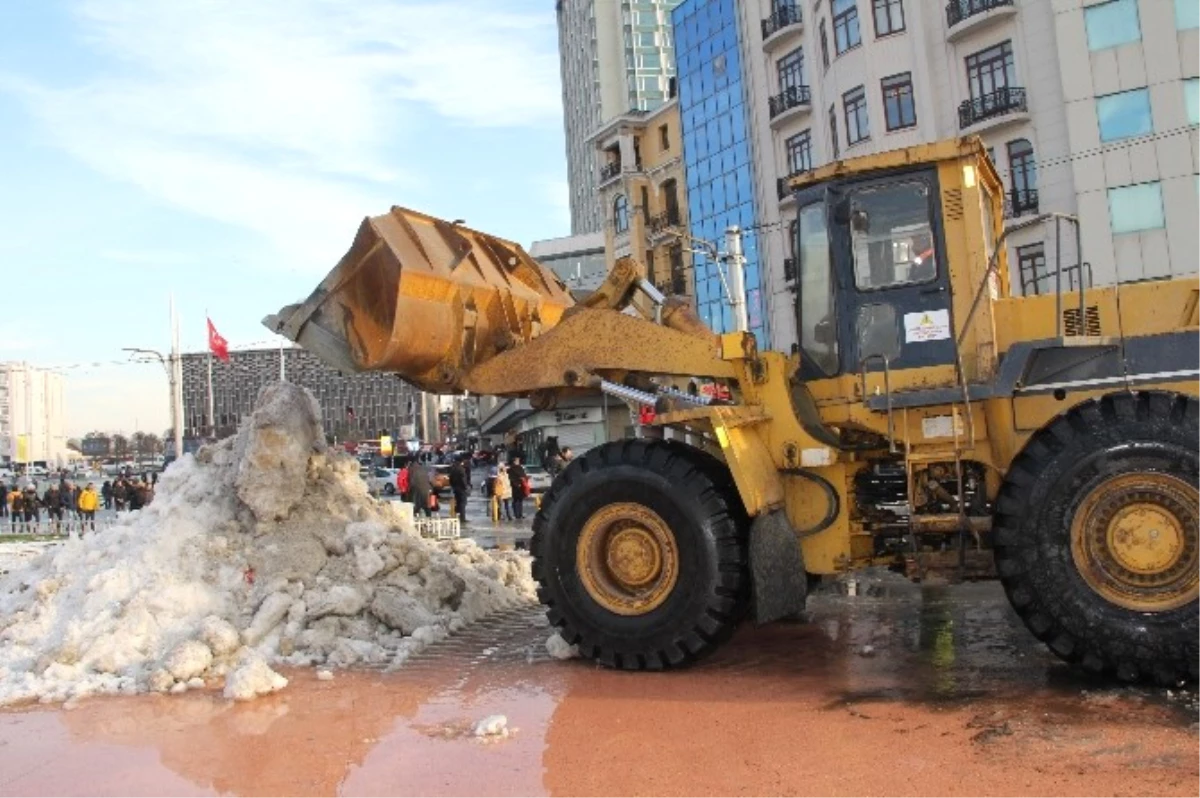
291	118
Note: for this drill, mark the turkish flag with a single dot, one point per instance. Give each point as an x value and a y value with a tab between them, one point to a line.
216	344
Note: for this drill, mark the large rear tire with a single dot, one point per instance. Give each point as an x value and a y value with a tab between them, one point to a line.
1096	536
640	554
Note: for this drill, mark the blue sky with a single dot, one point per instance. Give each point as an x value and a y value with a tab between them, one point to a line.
226	151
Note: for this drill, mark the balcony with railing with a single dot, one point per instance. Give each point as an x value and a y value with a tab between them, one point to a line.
609	170
963	16
993	109
785	19
1019	202
791	102
662	222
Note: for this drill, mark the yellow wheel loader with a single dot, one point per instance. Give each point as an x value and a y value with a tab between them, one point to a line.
926	420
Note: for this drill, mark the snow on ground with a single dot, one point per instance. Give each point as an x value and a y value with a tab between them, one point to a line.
260	550
15	553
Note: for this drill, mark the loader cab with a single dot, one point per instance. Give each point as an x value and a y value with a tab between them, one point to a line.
873	281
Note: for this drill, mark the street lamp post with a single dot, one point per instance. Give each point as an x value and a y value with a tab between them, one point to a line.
170	363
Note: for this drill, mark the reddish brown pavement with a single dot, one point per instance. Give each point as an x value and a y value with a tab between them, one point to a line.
910	691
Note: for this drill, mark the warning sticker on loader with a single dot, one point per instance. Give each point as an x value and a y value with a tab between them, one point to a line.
928	325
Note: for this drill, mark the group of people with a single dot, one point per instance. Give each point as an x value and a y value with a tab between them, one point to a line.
128	493
509	483
61	501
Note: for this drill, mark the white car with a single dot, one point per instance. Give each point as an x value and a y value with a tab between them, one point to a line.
539	479
382	481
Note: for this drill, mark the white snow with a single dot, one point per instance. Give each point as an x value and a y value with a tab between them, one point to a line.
264	549
559	648
492	726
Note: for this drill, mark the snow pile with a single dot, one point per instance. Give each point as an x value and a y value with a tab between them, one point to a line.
559	648
262	549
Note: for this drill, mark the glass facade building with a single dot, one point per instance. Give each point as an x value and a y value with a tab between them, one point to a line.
716	154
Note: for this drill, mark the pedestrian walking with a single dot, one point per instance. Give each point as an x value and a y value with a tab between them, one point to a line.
106	492
420	487
69	501
136	496
461	488
15	501
504	491
3	501
519	481
89	500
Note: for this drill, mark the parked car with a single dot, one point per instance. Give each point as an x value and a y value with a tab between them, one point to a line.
382	481
539	478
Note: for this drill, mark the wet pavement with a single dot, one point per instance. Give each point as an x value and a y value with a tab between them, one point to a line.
896	689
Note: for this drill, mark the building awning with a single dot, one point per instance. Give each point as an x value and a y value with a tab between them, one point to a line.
505	416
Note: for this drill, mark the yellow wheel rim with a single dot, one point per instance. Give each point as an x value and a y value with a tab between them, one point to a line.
627	558
1134	541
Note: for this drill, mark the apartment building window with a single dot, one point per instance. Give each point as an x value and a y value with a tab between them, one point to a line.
671	200
1023	172
799	152
664	138
1187	14
889	17
899	109
621	214
857	125
833	134
824	45
1191	99
1136	208
1124	115
1031	267
791	70
646	204
991	71
1111	24
845	25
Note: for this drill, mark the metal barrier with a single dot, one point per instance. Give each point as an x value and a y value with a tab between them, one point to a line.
438	528
50	528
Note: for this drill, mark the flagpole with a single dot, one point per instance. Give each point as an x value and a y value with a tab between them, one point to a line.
212	421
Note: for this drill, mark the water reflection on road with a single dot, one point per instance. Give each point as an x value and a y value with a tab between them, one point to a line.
897	689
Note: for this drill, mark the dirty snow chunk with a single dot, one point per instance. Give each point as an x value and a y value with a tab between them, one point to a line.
269	615
324	675
188	660
867	651
492	726
559	648
338	600
251	678
219	635
273	452
368	562
400	610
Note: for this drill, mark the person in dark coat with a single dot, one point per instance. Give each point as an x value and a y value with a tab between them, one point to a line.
3	500
420	488
31	507
106	493
136	495
461	488
52	501
517	476
120	493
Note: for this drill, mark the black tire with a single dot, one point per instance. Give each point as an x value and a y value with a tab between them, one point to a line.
692	492
1128	433
389	489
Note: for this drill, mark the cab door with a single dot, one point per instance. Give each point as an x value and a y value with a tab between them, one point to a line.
893	292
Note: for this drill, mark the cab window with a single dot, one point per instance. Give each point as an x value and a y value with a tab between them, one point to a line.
818	334
891	236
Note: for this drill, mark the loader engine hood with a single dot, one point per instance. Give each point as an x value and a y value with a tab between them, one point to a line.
426	299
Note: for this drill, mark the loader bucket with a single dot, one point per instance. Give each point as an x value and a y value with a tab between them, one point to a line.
426	299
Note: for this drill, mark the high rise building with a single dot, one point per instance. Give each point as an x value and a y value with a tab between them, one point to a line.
32	415
1087	107
615	57
715	105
